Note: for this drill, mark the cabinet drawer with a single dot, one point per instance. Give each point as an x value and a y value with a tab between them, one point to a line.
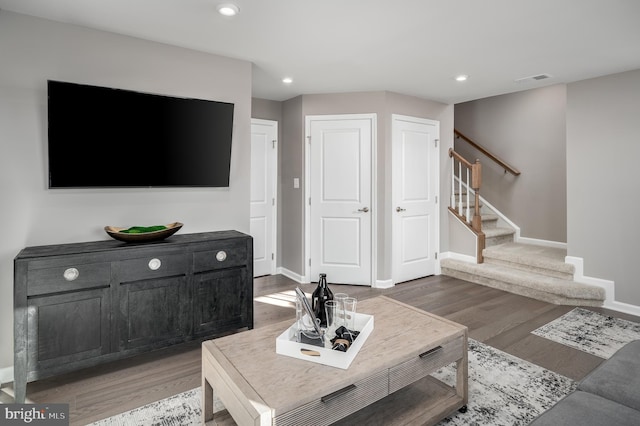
226	254
152	267
428	361
68	278
339	404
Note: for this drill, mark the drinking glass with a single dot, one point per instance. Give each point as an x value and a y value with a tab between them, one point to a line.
339	297
331	307
350	313
299	319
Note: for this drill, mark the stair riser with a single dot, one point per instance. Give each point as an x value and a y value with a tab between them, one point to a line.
500	239
530	268
489	223
516	289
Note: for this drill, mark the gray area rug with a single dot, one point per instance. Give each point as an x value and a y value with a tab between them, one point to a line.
503	390
177	410
590	332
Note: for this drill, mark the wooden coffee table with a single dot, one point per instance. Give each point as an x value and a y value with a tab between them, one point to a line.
387	383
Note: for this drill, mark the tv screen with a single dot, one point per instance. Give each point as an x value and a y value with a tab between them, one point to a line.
105	137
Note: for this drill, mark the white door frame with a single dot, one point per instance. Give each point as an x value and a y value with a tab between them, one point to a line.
374	189
273	166
435	175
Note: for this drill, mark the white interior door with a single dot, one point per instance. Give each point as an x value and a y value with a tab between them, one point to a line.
264	172
340	202
415	186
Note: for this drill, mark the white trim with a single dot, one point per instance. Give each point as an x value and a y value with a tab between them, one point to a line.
373	117
608	286
457	256
6	375
624	307
544	243
292	275
383	284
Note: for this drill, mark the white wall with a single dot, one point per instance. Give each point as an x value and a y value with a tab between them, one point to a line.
603	150
33	50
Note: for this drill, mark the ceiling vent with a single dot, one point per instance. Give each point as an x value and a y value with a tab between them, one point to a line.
533	78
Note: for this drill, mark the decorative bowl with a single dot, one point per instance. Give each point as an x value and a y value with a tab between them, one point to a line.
116	232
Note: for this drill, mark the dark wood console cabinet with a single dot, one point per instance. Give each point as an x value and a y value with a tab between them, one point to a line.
80	305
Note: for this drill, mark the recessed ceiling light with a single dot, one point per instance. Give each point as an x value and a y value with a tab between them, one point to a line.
287	80
462	77
228	9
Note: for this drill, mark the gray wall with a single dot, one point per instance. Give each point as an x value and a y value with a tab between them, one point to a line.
34	50
384	104
603	147
291	215
527	130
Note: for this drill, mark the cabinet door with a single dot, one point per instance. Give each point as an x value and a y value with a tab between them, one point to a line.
66	328
221	301
153	312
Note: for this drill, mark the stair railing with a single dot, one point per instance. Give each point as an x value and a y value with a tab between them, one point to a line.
493	157
467	178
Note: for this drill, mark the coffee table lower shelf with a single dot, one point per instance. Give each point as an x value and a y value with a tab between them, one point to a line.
425	402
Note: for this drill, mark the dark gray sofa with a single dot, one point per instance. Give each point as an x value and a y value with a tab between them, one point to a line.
609	395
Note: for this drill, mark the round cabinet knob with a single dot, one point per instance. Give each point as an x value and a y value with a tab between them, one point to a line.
154	264
71	274
221	255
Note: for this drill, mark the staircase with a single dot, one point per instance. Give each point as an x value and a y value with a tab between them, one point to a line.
528	270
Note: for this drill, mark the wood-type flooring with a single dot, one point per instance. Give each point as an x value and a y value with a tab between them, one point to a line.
496	318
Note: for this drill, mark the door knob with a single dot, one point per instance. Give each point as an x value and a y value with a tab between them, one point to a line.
364	209
400	209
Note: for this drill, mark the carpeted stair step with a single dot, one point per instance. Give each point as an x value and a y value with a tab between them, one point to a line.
529	284
497	235
532	258
489	221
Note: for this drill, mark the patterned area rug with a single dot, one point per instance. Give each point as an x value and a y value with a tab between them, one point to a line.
503	390
178	410
590	332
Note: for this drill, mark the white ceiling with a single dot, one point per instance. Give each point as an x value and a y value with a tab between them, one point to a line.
414	47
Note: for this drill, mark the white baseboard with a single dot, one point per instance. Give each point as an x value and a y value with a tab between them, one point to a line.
457	256
289	274
609	287
383	284
6	375
544	243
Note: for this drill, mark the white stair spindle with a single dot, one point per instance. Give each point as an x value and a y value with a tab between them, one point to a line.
468	197
460	188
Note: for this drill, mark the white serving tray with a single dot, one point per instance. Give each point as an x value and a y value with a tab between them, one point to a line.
286	344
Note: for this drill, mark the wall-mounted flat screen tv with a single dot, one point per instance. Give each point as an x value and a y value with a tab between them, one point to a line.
114	138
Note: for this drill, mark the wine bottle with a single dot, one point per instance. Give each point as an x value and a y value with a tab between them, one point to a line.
321	294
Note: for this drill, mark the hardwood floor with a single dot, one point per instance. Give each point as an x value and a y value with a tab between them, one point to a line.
502	320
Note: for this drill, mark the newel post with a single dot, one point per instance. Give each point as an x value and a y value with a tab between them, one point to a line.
476	182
